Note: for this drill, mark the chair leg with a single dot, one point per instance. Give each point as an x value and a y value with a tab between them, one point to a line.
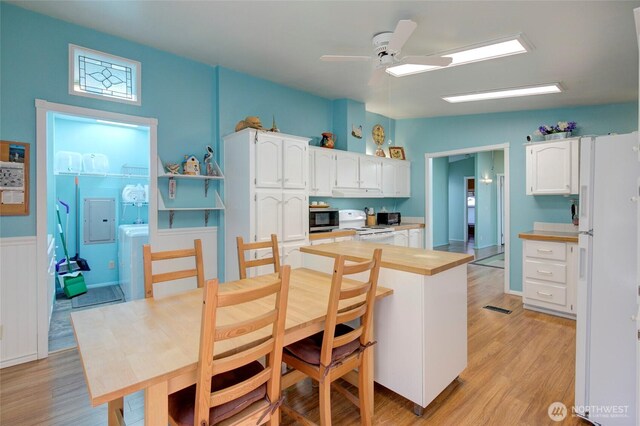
325	402
365	387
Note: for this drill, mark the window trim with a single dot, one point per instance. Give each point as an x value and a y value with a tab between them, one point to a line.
138	77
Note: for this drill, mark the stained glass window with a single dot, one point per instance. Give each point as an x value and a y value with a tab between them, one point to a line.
101	75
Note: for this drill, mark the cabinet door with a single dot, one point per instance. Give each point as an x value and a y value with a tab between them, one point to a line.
401	238
549	168
323	172
292	256
268	162
388	178
347	175
370	172
403	178
295	217
268	215
295	164
415	238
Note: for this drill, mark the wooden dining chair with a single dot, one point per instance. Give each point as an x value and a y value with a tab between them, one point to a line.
150	257
236	389
336	352
243	247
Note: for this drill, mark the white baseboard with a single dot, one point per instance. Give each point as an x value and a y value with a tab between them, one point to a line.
515	292
18	360
453	239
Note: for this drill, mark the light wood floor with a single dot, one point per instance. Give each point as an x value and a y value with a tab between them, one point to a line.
518	365
461	247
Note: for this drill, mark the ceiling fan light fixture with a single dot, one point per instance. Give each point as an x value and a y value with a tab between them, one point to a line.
505	93
489	50
408	69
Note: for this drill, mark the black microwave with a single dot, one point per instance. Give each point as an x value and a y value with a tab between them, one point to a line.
323	220
389	218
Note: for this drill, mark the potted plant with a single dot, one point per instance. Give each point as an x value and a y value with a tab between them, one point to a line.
560	131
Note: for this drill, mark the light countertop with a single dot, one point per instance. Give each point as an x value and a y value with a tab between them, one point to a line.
561	237
417	261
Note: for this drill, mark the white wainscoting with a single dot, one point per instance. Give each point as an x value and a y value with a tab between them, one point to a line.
179	238
18	301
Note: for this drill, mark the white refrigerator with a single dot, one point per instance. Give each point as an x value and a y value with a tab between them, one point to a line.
607	328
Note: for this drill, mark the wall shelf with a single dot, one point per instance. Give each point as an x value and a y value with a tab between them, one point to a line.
102	175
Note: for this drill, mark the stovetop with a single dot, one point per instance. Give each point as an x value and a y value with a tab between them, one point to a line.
370	230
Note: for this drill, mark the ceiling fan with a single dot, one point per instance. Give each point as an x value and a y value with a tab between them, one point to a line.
386	49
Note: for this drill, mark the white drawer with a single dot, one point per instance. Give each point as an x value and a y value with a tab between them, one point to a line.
545	250
545	270
548	293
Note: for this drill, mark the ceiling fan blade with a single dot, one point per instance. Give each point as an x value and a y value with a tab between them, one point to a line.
341	58
403	31
434	61
376	76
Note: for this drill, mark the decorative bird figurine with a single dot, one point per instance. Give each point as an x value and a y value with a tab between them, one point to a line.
208	157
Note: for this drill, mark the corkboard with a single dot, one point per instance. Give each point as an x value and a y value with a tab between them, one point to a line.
14	178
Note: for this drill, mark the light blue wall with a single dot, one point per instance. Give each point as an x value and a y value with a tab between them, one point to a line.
440	174
486	219
178	92
438	134
458	170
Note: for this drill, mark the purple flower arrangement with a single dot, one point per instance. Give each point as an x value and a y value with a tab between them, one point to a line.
561	127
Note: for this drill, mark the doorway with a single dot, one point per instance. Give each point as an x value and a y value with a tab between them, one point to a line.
91	163
486	186
469	209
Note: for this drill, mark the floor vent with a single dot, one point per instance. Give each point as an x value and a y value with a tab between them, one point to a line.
495	308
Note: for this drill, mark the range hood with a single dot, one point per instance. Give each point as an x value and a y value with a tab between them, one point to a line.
356	193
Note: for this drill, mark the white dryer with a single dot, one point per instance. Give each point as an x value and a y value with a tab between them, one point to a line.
131	238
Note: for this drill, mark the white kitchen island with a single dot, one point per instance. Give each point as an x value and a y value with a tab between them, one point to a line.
421	329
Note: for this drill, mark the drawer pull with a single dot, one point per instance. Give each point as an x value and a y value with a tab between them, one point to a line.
545	251
545	272
542	293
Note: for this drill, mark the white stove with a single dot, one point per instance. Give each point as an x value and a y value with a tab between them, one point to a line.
357	219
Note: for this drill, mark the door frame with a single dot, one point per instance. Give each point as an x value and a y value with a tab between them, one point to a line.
500	207
428	169
43	109
466	209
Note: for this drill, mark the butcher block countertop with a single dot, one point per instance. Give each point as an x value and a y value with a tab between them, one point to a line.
404	227
331	234
417	261
560	237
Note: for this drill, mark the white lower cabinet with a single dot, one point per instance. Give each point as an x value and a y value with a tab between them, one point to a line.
401	238
416	238
291	255
549	277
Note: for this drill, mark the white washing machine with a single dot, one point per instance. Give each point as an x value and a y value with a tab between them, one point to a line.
131	238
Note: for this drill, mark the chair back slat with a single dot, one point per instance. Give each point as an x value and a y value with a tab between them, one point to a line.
232	392
243	247
234	361
271	349
244	327
150	257
364	311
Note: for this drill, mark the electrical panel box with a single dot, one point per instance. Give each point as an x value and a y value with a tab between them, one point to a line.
99	220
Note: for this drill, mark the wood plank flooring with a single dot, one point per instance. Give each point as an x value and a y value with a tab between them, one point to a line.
518	365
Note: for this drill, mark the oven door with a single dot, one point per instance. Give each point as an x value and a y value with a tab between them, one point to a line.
379	238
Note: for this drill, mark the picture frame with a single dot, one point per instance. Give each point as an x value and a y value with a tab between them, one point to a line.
397	152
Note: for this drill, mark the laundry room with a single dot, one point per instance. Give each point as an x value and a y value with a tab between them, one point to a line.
98	211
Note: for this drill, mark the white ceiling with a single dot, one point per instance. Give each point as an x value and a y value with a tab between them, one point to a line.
590	47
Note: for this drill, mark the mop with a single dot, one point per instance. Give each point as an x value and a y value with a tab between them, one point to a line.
82	263
72	282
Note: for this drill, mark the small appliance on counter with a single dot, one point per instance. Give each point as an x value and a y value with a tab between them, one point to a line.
389	218
323	219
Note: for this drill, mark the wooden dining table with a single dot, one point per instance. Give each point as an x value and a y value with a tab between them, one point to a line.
152	344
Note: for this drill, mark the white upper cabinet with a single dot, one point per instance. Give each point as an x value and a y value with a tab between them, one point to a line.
268	162
295	164
321	172
552	167
370	172
295	216
347	174
396	178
